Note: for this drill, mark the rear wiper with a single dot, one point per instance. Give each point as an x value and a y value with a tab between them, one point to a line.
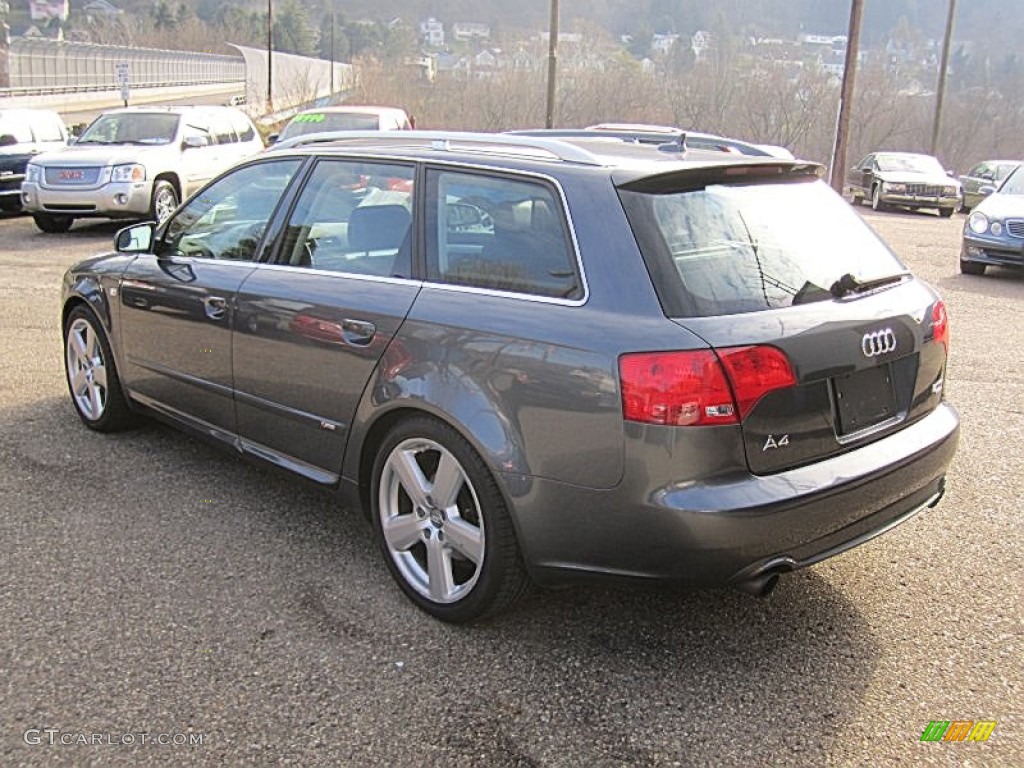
848	284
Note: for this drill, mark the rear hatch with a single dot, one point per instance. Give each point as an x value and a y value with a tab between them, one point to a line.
826	341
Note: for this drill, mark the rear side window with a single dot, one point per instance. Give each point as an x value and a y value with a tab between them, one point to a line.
728	249
500	234
353	217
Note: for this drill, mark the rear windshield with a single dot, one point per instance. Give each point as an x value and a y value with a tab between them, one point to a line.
730	249
318	122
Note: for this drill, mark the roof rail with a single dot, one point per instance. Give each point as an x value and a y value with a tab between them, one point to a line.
451	141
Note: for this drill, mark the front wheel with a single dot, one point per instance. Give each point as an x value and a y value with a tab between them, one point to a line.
946	212
165	200
972	267
876	198
443	525
92	376
52	224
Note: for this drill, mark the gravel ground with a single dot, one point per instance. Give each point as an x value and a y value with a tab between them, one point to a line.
157	589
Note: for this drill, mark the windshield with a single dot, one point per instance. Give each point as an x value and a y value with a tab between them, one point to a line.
912	163
131	128
734	249
319	122
1014	184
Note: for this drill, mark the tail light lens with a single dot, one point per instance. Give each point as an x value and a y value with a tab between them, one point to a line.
754	372
700	388
940	325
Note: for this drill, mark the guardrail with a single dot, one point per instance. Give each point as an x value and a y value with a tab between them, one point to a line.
45	67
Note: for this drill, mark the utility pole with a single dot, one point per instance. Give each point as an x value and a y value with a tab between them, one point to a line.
332	49
940	94
270	56
552	63
838	170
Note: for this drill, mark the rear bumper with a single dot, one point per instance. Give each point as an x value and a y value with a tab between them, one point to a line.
725	530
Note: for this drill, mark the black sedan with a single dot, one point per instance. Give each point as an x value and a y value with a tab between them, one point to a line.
904	180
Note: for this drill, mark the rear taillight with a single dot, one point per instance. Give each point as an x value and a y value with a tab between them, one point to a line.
693	388
754	372
940	325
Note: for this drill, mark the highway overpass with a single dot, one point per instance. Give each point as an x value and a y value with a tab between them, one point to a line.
80	80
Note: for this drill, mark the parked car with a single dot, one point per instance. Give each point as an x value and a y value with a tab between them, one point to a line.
531	360
344	118
24	133
994	232
905	180
134	163
982	180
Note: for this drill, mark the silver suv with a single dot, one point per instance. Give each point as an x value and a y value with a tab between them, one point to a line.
136	163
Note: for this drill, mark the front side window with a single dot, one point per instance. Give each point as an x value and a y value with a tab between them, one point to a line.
131	128
353	217
47	128
500	234
222	129
227	219
730	249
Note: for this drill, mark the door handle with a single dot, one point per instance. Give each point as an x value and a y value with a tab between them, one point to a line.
357	332
215	307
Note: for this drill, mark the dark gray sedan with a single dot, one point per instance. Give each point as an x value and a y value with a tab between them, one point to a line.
531	360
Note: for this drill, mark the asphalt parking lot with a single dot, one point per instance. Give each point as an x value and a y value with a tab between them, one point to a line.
156	587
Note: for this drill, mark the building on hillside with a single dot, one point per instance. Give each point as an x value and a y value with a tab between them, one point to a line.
432	33
464	31
700	43
662	43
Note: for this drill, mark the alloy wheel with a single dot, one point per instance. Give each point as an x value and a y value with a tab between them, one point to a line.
87	370
431	520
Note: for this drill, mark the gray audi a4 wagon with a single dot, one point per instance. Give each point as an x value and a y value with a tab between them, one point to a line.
536	361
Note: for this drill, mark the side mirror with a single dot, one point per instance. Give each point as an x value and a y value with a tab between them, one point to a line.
272	138
986	190
135	239
951	174
195	142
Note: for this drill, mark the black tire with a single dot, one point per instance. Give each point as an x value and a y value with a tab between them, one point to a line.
471	590
10	204
53	224
100	405
972	267
946	212
876	198
163	202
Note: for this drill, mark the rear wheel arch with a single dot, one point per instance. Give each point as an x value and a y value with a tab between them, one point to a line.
375	434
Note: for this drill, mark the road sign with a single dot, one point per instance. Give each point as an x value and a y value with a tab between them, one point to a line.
122	75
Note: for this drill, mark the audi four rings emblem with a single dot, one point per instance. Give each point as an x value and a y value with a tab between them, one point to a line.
878	343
